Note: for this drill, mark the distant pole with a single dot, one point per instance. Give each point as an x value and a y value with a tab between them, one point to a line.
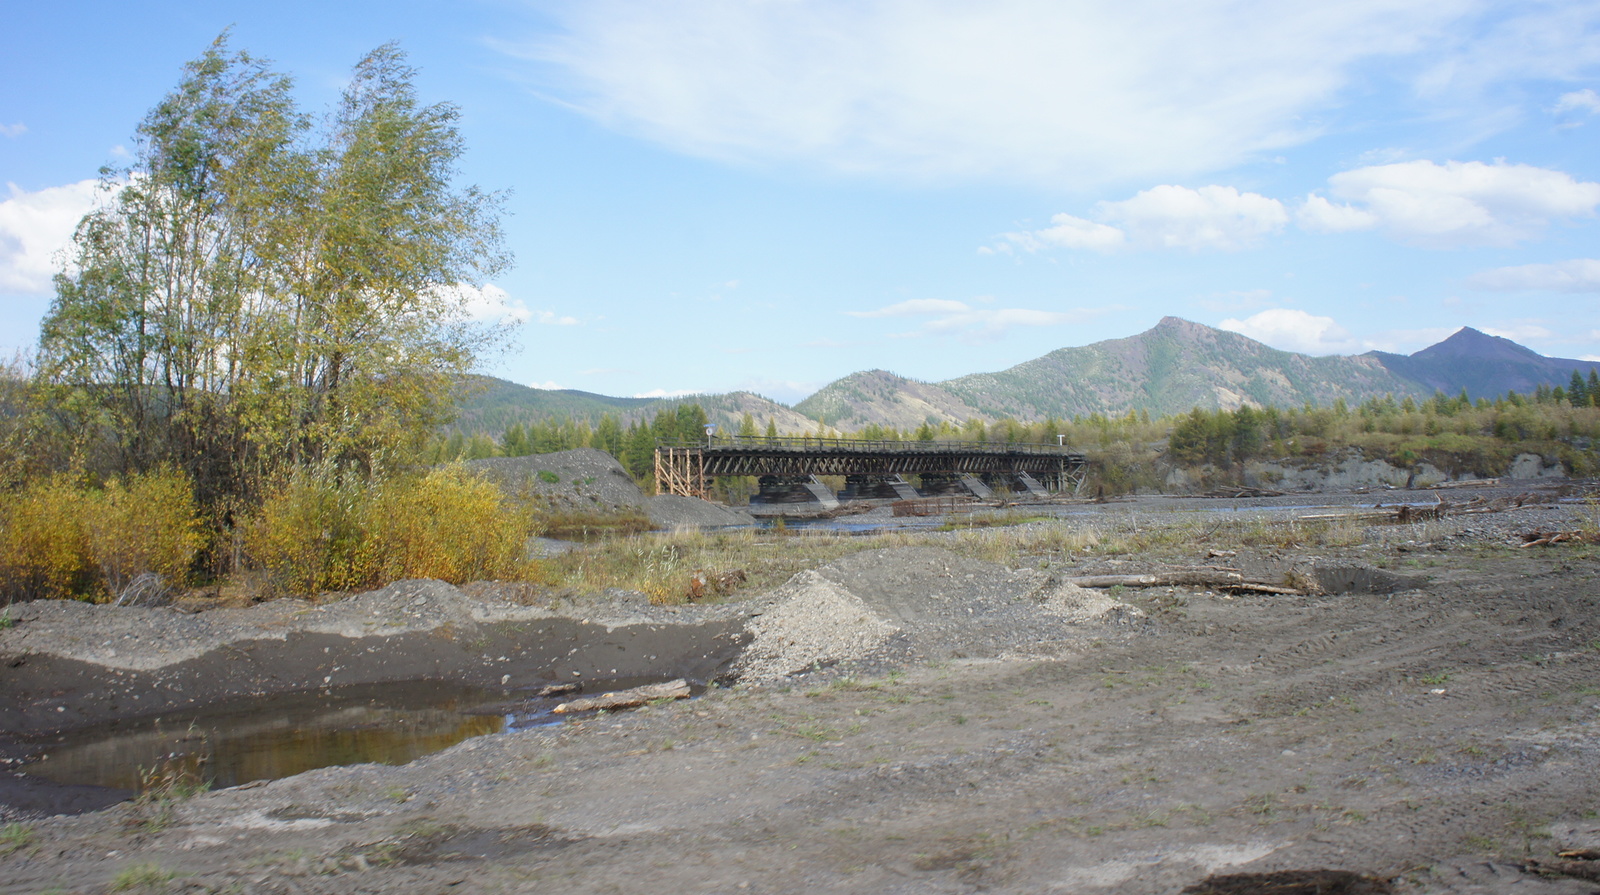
1061	441
710	428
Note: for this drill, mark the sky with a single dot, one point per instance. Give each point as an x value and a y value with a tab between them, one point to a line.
767	195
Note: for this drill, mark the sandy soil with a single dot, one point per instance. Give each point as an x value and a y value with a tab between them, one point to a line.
1427	740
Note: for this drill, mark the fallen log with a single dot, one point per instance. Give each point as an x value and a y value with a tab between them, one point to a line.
1581	854
1251	587
558	689
1588	870
1545	538
1237	493
626	699
1159	579
1471	483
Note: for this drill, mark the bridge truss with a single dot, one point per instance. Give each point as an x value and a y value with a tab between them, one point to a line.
687	469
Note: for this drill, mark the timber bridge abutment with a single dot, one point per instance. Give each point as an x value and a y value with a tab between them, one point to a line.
788	468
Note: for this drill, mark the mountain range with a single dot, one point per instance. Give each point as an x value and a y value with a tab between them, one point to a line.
1172	367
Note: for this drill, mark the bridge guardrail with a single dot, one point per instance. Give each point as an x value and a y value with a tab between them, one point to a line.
810	443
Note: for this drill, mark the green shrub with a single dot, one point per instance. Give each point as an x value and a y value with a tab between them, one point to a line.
548	477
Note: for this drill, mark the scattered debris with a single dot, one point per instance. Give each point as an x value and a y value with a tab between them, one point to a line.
1252	587
1546	538
558	689
1470	483
702	582
1589	870
626	699
933	506
1581	854
1179	578
1237	493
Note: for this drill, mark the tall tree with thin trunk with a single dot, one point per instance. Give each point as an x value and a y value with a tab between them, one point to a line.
261	290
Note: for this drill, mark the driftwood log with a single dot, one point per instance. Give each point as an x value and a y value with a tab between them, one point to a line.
1546	538
626	699
1203	577
1256	587
1589	870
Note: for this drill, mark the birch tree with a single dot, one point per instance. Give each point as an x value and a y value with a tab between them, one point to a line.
263	289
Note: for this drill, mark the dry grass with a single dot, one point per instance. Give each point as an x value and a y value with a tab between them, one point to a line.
661	564
574	525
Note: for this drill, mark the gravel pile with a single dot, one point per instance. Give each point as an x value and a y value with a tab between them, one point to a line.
918	603
672	511
583	479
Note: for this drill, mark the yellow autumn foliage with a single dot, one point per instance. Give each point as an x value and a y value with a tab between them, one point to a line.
61	539
323	531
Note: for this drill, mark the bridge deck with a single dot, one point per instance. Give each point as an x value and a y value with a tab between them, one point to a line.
684	468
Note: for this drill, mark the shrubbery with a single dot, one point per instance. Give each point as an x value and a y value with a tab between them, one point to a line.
62	539
323	531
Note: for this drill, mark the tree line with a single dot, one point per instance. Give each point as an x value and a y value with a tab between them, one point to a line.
1453	432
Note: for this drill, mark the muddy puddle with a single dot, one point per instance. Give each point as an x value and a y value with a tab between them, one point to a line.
83	734
265	738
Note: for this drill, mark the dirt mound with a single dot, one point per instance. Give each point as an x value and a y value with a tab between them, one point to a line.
812	623
582	479
916	603
673	511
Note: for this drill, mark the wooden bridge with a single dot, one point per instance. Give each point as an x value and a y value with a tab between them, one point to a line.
870	468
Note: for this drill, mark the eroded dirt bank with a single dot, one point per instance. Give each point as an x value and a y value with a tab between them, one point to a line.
1433	737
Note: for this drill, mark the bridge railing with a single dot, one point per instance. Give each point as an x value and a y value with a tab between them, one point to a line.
812	443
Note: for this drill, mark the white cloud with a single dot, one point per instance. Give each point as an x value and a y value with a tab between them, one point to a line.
1059	92
1521	332
1165	217
1290	329
914	307
1452	204
35	227
1211	217
1585	100
786	391
1321	216
666	393
1070	232
964	321
1241	300
551	318
549	386
1577	275
1406	341
490	304
18	129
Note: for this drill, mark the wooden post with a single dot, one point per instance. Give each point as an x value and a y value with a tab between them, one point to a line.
681	471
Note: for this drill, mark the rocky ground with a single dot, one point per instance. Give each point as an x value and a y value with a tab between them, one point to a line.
909	719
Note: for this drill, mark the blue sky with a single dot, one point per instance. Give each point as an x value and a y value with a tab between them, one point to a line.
711	195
